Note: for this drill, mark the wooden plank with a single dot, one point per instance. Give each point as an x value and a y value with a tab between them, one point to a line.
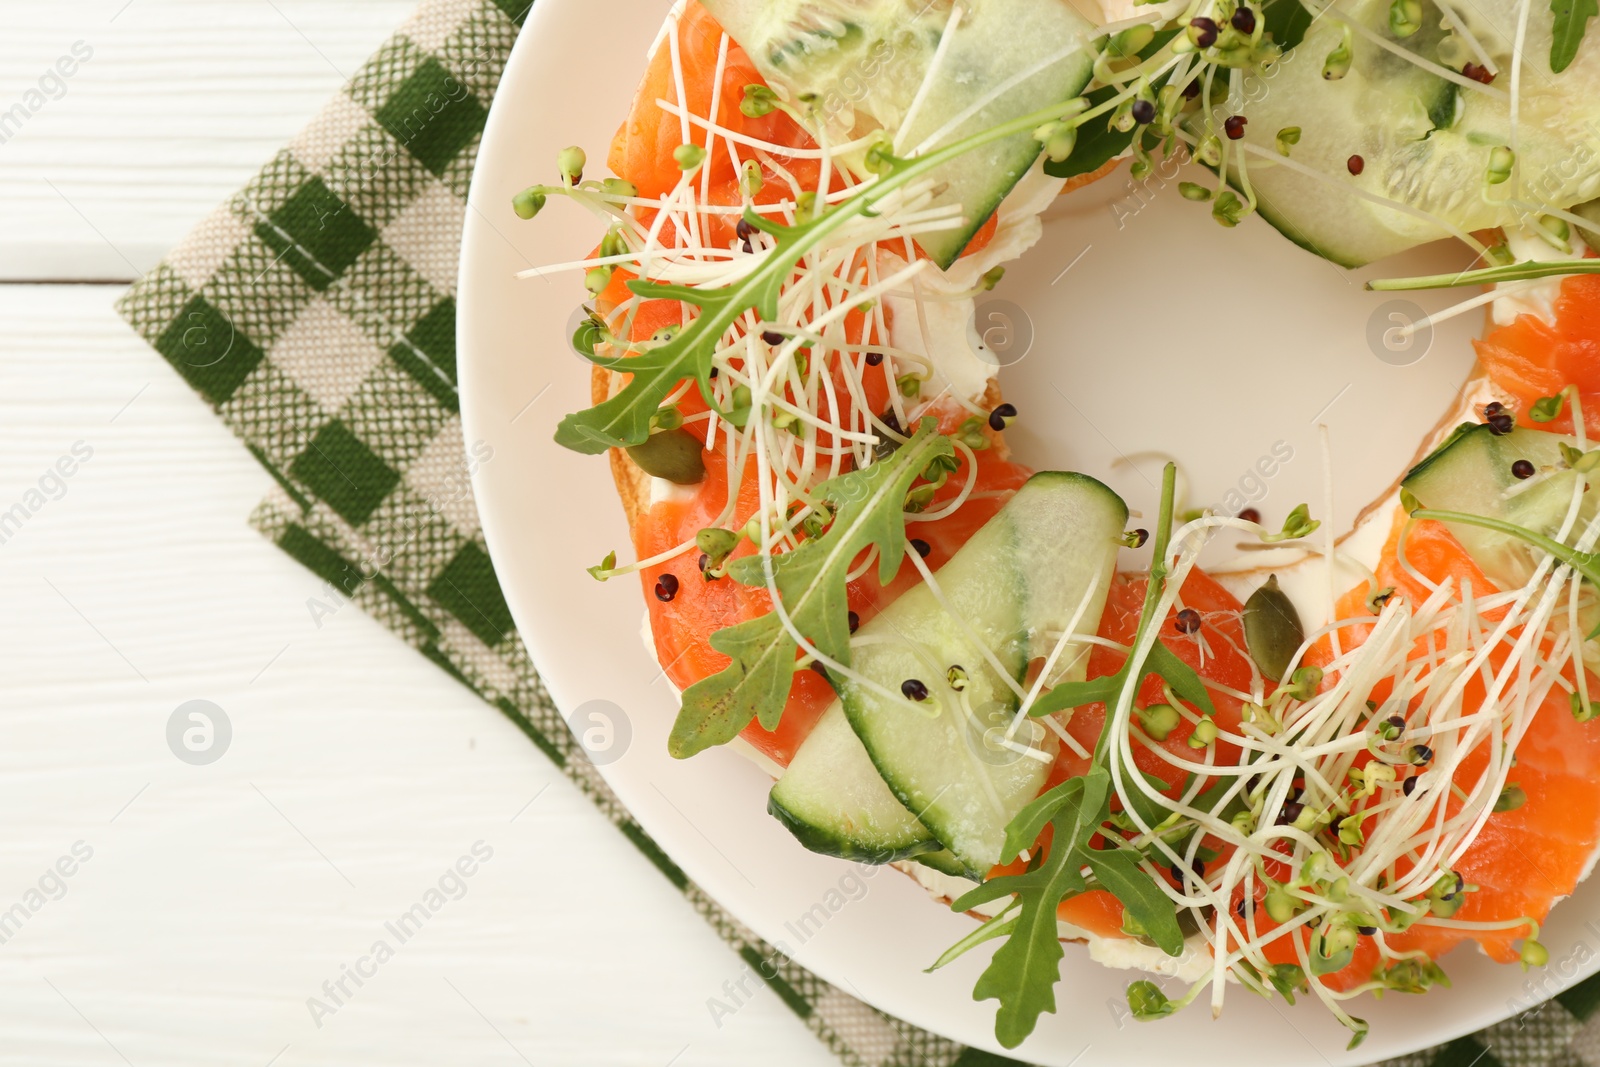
178	103
215	903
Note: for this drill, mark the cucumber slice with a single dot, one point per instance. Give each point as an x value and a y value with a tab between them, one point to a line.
1423	141
1016	585
944	862
864	61
1471	472
834	802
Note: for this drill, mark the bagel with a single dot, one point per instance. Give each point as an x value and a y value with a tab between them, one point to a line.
932	649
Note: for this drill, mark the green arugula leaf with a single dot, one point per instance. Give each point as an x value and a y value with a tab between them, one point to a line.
1287	21
1077	694
1026	825
1119	873
1149	812
1099	142
1180	676
1162	661
1024	971
1571	21
868	509
624	419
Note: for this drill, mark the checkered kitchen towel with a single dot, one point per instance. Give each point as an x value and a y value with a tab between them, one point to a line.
315	311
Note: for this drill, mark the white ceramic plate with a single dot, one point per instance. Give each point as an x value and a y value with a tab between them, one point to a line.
1152	331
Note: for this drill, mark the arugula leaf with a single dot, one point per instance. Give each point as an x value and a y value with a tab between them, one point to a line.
1287	21
1571	21
1162	661
1180	676
1118	872
1099	143
1024	971
868	509
624	419
1026	825
1151	813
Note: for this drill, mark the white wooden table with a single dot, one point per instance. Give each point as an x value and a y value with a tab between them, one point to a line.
217	899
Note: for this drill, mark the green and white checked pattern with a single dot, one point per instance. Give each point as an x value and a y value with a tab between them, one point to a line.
315	311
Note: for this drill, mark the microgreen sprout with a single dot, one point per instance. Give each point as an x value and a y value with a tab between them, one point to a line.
1337	63
759	101
1405	17
1501	160
1296	525
528	203
602	570
1287	138
1378	598
1548	408
1228	209
570	162
1159	720
1582	710
689	157
750	179
1511	798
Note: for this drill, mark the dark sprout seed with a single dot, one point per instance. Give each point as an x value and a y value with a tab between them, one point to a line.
1234	126
855	622
1410	786
1144	112
1187	622
1191	90
914	689
1522	469
667	587
772	337
1177	873
1244	20
744	230
1206	34
819	668
998	417
1421	754
1291	811
749	249
1366	930
1140	536
1239	907
922	547
1250	514
1355	165
1396	721
1477	73
1492	408
1501	424
874	358
713	373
